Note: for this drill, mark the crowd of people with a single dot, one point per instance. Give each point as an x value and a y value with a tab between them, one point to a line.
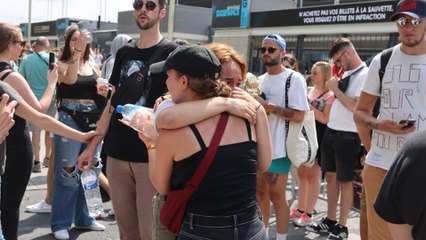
197	91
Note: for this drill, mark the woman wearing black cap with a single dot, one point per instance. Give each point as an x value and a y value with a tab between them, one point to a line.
227	193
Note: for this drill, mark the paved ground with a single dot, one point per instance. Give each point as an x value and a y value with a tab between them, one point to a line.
36	226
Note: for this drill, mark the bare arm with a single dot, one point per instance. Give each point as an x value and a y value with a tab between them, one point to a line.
365	121
323	116
264	144
68	70
400	231
103	124
183	114
162	163
50	124
6	116
347	102
21	85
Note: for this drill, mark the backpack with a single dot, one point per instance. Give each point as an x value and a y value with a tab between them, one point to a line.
384	59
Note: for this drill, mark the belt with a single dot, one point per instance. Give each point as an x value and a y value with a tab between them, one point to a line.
341	133
86	102
218	221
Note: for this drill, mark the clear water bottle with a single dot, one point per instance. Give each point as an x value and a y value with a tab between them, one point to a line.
90	183
135	116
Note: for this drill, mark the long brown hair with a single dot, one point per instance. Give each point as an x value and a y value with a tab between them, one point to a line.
8	34
66	51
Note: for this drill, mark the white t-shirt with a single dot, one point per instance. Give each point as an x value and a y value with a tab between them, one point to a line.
403	97
273	86
341	118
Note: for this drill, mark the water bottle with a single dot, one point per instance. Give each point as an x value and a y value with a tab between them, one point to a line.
135	116
90	183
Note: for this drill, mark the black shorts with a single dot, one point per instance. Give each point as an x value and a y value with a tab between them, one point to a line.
340	153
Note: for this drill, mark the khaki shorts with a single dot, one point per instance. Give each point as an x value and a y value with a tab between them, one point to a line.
159	232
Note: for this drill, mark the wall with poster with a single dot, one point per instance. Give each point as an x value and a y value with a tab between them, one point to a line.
231	13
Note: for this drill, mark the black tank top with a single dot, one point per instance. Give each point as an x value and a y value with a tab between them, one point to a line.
83	88
229	187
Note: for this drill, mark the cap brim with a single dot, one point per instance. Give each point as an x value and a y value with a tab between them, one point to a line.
158	67
396	15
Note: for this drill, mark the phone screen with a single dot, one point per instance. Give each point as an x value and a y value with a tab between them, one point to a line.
51	60
411	122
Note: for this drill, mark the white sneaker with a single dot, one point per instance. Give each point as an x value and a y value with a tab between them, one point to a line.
61	234
40	207
95	226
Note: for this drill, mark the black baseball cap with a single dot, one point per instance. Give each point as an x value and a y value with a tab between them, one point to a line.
192	60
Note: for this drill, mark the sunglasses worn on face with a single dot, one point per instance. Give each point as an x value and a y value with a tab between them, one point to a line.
21	43
402	21
269	49
149	5
338	60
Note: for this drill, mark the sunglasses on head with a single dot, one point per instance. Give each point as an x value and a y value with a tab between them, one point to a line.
149	5
402	21
269	49
21	43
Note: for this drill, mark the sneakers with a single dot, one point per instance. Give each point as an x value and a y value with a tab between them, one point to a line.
326	225
40	207
303	220
61	234
339	233
294	214
95	226
36	168
46	162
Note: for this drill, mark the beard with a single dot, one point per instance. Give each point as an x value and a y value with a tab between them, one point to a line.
271	62
146	25
414	43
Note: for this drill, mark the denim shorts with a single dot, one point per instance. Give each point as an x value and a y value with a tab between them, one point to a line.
247	225
340	153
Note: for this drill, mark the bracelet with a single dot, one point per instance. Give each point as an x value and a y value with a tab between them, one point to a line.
151	146
258	106
77	50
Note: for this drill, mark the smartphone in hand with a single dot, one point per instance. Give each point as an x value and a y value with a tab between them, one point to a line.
51	60
410	121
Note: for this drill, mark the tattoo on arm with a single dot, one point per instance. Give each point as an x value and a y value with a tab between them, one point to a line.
371	125
272	179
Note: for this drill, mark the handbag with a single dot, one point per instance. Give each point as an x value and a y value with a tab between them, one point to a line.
173	210
301	142
86	121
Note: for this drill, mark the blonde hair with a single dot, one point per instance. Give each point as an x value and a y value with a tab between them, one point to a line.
325	69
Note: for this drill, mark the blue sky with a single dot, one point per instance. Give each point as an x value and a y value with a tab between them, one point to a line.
16	11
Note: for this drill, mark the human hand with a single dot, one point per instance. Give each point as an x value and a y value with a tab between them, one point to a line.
396	128
332	84
85	159
6	116
241	108
148	135
52	75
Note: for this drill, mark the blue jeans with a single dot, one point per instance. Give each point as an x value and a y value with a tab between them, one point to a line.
248	225
68	201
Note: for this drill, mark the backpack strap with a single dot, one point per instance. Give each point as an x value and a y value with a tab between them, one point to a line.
384	59
287	87
5	75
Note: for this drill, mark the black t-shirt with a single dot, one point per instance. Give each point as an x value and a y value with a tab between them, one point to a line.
13	95
130	78
402	197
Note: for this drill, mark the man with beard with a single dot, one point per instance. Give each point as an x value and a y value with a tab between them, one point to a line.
127	169
271	185
402	99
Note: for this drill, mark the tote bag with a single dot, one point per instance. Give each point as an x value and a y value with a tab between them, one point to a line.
301	142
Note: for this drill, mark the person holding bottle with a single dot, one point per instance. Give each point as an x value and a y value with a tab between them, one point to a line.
76	93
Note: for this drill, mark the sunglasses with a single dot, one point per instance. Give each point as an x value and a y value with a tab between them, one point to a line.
149	5
402	21
269	49
21	43
338	60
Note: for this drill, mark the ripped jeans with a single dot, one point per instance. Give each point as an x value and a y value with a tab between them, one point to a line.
68	201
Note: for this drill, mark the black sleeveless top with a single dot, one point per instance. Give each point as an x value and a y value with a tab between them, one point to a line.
83	88
229	187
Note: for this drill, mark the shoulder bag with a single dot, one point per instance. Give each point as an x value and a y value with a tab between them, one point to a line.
173	210
301	142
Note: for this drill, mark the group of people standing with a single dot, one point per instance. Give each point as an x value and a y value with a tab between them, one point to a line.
250	169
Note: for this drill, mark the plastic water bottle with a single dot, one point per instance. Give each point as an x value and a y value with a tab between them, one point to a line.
135	116
90	183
